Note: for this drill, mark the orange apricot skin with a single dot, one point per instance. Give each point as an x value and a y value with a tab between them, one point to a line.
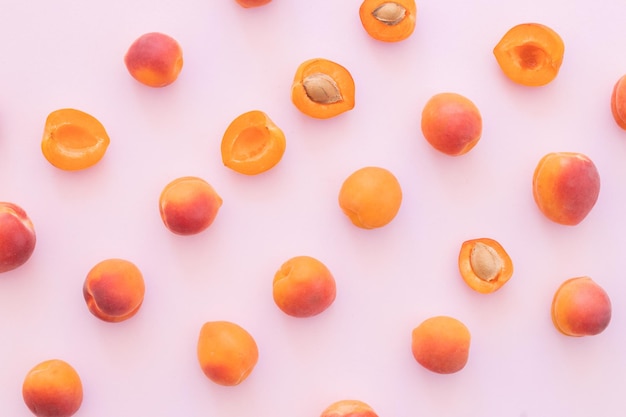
252	3
386	32
303	287
73	140
451	123
188	205
441	344
17	237
371	197
154	59
53	388
341	77
566	186
581	307
349	408
530	54
114	290
472	279
227	353
618	102
252	144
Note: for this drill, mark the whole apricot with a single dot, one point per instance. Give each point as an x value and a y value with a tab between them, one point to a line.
451	123
17	237
188	205
114	290
303	287
252	3
388	21
227	353
581	307
441	344
484	265
618	102
349	408
53	389
566	186
370	197
154	59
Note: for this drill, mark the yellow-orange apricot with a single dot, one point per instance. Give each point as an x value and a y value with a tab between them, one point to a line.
252	143
114	290
581	307
530	54
73	140
227	353
370	197
17	236
322	89
451	123
484	265
303	287
618	102
388	21
53	388
154	59
188	205
566	186
441	344
349	408
252	3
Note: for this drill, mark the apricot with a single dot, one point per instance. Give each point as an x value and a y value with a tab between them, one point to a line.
53	389
618	102
530	54
349	408
17	237
441	344
581	307
252	144
114	290
73	140
154	59
370	197
451	123
388	21
303	287
252	3
188	205
322	89
484	265
227	353
566	186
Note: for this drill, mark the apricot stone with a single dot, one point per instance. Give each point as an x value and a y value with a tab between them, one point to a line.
17	237
566	186
53	389
303	287
451	123
154	59
349	408
581	307
441	344
618	102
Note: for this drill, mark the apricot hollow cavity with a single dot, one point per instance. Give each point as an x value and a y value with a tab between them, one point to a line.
227	353
581	307
530	54
388	21
73	140
154	59
484	265
303	287
17	237
322	89
451	123
566	186
441	344
188	205
114	290
53	388
349	408
618	102
252	144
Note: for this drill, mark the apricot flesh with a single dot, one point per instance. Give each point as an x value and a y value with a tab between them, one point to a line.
227	353
581	307
303	287
451	123
441	344
53	388
154	59
618	102
349	408
566	186
17	236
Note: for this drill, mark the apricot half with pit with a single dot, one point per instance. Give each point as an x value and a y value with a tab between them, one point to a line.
484	265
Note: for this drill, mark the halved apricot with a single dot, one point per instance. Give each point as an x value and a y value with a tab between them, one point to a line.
322	89
252	143
388	21
530	54
618	102
73	139
484	265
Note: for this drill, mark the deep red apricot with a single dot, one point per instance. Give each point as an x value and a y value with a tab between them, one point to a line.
581	307
154	59
618	102
17	237
53	388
